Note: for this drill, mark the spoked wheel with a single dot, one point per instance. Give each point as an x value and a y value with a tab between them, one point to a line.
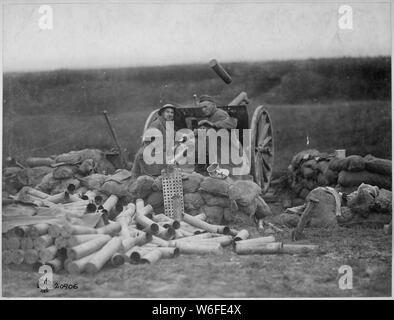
262	148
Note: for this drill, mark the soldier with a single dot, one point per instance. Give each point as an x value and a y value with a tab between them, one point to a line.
216	118
166	113
140	167
219	119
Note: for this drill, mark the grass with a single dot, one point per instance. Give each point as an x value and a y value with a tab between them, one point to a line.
360	127
337	103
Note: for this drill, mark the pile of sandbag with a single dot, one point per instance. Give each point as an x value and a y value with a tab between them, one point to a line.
53	174
219	199
88	170
367	200
14	178
355	170
324	207
310	169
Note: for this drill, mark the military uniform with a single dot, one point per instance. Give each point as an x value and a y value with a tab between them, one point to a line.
140	167
221	120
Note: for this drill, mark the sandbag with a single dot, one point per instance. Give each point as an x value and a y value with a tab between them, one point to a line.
86	167
10	171
337	164
38	162
244	192
383	202
104	166
214	186
95	154
377	165
155	199
120	176
308	184
115	188
362	201
212	200
141	187
228	215
346	215
322	180
312	164
323	214
157	184
93	181
159	209
354	163
194	212
296	187
32	176
192	181
350	179
10	181
307	172
367	199
331	176
47	183
71	157
193	201
303	155
285	219
50	185
249	209
8	187
322	166
64	172
214	214
61	185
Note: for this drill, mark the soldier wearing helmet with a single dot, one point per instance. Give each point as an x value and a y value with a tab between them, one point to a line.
140	167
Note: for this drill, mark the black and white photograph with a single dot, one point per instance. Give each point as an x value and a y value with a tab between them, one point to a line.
181	150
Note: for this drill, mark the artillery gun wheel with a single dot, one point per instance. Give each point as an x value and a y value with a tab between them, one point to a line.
262	148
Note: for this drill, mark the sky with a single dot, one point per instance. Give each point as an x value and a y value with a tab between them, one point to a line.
116	35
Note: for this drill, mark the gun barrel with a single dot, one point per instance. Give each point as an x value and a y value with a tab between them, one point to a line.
220	71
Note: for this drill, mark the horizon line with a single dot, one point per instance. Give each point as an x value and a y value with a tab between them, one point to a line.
148	66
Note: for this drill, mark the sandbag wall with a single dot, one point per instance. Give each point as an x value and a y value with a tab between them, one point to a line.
310	169
200	194
53	174
89	169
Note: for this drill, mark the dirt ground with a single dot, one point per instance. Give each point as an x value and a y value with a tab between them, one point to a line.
367	251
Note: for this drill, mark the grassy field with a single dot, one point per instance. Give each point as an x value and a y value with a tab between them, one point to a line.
361	127
337	103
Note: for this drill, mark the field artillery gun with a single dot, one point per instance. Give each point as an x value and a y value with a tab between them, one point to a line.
262	139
